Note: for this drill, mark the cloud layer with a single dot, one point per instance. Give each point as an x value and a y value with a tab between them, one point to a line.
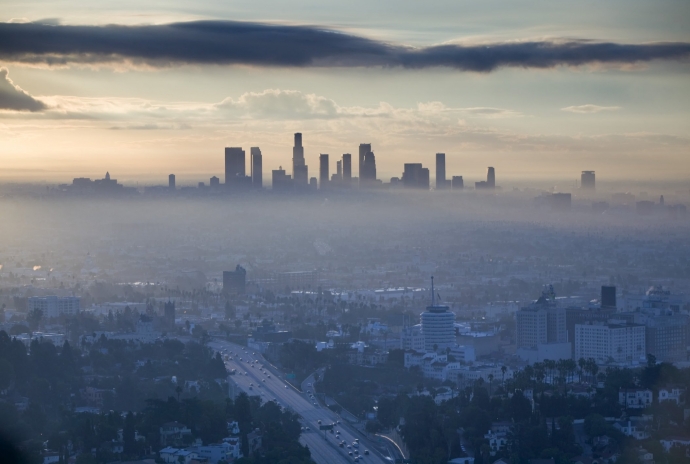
12	97
256	44
589	109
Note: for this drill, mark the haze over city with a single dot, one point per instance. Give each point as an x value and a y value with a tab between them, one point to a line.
270	232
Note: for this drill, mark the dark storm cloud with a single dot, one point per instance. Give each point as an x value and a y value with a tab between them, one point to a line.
14	98
227	43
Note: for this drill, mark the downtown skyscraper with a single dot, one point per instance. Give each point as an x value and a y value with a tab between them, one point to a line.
300	171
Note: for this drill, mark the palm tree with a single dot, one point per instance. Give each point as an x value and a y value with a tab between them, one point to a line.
582	362
503	376
491	379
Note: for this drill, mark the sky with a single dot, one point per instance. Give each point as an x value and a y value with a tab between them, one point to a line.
540	90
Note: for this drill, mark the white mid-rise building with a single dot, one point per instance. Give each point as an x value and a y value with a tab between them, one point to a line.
621	343
54	306
412	338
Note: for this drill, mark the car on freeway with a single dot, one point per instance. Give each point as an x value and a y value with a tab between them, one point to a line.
318	421
341	445
350	453
366	452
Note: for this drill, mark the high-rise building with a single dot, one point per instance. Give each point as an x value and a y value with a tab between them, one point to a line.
214	182
323	170
339	169
281	181
347	169
171	181
367	177
457	183
234	167
489	183
234	282
587	180
54	306
441	183
257	168
415	176
300	171
364	148
560	201
608	297
667	337
438	326
541	323
575	315
606	342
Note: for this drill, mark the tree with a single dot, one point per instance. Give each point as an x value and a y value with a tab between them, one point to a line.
6	374
129	443
34	318
595	425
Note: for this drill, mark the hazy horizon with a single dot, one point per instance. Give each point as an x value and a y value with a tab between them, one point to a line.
539	91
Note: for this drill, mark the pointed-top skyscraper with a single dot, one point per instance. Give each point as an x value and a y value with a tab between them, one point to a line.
300	173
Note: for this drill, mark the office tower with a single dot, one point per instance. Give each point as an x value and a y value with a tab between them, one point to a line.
339	169
608	297
367	177
574	316
169	314
491	178
560	201
54	306
424	179
347	168
415	176
171	181
257	168
364	148
234	166
587	180
438	326
667	336
605	342
234	282
541	322
280	181
214	182
300	171
457	183
323	170
312	183
440	171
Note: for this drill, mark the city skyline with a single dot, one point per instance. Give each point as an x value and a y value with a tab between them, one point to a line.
536	95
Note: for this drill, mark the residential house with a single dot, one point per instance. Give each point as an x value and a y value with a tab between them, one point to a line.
675	394
634	427
635	398
673	441
173	432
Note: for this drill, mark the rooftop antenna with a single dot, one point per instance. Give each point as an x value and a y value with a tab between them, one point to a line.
433	301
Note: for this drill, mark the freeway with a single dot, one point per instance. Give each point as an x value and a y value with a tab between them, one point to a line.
254	376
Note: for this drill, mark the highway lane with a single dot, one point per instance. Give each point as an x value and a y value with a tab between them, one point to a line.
254	377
